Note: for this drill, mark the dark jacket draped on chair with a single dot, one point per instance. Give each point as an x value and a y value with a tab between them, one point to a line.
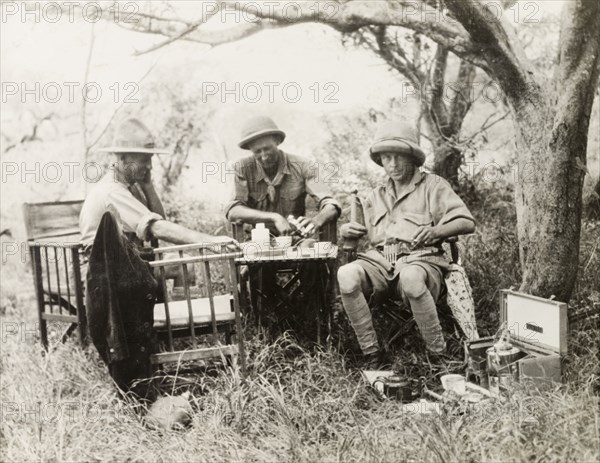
121	293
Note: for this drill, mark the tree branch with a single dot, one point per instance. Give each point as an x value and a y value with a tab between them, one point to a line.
397	58
350	15
343	15
33	136
170	40
176	29
486	125
439	111
495	40
463	100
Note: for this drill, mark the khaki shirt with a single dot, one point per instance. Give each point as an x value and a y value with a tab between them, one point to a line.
111	195
301	178
428	200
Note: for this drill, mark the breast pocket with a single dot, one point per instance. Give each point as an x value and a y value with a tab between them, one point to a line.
412	221
292	198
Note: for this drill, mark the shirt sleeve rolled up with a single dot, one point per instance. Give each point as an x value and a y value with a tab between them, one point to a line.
134	216
446	205
239	190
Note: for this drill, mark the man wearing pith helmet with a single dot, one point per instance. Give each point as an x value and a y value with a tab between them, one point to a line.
405	221
271	184
127	190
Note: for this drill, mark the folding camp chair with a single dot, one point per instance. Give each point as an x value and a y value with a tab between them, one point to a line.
456	301
213	316
53	240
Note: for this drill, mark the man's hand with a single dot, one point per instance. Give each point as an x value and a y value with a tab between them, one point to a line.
224	239
283	226
426	235
311	225
353	230
146	181
231	244
154	203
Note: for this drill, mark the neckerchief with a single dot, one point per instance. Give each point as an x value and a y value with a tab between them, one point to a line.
272	185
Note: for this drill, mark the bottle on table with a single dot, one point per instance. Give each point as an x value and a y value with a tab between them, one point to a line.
356	215
260	234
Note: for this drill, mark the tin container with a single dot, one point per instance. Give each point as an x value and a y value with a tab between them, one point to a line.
397	388
502	367
477	362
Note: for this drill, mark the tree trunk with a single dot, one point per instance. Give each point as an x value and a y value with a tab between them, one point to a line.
447	156
552	150
552	119
552	124
445	119
447	160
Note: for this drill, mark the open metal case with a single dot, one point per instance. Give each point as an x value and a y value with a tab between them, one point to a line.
538	327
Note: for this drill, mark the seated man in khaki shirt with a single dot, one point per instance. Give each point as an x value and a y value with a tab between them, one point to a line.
410	215
127	190
270	184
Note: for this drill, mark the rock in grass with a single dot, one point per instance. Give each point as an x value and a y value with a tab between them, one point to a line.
170	412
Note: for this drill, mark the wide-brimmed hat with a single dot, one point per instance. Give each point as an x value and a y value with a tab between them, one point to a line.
259	127
396	137
132	136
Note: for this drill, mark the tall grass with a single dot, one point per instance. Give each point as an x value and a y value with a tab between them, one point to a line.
295	405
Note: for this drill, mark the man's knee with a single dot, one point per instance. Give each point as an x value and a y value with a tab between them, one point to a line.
350	278
413	281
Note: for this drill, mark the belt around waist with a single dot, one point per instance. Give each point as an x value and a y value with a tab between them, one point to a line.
393	252
403	248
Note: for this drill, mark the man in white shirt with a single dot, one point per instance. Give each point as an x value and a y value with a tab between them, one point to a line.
127	191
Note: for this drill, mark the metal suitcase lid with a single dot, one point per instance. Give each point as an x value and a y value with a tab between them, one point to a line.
534	321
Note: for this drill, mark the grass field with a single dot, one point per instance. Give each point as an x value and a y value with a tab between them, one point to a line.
295	406
299	403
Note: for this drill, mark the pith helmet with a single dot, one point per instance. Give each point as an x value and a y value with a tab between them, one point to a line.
259	127
398	137
132	136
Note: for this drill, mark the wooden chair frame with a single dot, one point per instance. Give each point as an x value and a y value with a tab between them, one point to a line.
54	243
194	328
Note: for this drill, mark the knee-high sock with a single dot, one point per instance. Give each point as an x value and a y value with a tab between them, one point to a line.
358	312
425	313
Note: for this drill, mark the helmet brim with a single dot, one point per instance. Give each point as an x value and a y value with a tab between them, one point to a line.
250	138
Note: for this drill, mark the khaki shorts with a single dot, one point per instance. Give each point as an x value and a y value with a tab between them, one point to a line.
384	277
